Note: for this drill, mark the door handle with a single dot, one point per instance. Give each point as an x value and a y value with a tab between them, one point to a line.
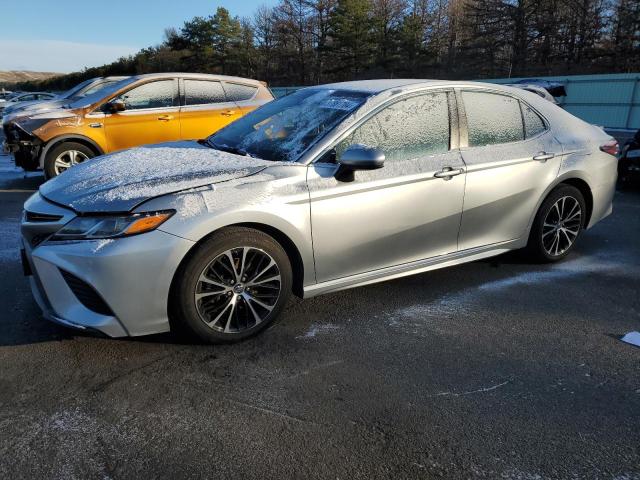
165	117
543	156
228	113
447	173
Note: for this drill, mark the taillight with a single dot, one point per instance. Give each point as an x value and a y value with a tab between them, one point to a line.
611	147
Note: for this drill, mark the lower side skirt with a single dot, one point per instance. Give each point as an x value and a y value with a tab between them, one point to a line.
413	268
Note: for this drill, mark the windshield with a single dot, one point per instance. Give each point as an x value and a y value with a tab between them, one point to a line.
283	129
74	90
95	87
98	95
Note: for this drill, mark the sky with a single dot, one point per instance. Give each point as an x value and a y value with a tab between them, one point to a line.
69	35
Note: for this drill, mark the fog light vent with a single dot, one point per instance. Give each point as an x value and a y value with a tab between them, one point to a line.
86	294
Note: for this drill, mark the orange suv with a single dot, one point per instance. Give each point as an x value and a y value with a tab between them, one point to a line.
139	110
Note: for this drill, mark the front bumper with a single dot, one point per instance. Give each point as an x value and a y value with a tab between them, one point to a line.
131	275
25	147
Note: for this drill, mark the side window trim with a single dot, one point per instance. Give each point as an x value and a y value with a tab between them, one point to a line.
335	141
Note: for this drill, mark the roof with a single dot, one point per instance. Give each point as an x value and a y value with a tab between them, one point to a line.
203	76
378	86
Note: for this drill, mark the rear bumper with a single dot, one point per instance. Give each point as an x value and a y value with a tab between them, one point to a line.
132	276
629	165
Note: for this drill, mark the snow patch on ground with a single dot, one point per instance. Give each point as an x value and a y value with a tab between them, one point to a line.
518	475
316	329
436	314
632	338
9	239
77	441
9	170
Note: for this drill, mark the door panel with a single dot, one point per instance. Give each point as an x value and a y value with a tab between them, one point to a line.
152	115
206	109
142	127
383	218
504	185
400	213
200	121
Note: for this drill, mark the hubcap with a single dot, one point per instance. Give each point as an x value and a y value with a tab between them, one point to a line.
68	159
238	289
561	226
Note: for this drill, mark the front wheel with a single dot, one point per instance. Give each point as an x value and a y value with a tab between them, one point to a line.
64	156
233	286
557	225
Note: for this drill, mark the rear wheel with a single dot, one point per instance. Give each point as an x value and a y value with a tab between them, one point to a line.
233	286
557	225
65	156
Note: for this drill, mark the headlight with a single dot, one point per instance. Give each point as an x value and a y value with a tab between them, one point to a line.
111	226
29	125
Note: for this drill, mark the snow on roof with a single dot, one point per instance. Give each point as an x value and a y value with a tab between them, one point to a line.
378	86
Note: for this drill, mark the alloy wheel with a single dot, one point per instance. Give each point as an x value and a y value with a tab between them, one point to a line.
561	226
238	289
68	159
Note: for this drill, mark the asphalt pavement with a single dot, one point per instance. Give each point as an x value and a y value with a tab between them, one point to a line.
494	369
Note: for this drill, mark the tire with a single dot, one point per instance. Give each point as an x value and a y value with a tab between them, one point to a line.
71	153
555	231
206	299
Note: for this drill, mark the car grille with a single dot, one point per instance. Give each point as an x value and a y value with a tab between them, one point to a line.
86	294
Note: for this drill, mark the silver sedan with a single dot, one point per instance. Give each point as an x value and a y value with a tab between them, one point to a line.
329	188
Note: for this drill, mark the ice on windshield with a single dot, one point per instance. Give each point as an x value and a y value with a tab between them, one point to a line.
284	129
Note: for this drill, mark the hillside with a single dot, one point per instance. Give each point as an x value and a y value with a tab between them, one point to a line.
14	76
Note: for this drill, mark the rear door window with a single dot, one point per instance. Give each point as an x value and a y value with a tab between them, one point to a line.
492	118
203	92
237	92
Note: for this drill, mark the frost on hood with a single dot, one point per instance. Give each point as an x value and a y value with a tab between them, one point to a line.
246	192
121	180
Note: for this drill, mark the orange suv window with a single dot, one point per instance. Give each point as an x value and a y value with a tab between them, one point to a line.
203	92
160	94
238	93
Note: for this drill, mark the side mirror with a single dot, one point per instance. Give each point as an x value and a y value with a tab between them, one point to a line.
115	106
361	157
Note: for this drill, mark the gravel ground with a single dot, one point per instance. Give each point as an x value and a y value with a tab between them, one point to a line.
494	369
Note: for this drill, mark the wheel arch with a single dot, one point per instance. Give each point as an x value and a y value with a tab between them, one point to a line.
585	190
289	246
54	142
575	180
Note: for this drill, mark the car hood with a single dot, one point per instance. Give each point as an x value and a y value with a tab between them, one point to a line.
37	105
121	181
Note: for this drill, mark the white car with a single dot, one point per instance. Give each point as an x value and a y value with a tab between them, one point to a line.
24	97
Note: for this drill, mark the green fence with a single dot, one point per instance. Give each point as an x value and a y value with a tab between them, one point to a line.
611	101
